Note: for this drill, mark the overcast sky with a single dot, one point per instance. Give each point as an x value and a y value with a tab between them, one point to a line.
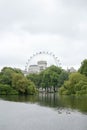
30	26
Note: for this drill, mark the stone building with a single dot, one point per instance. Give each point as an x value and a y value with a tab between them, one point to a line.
41	65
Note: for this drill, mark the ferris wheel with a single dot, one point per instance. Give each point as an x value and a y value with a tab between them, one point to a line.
50	54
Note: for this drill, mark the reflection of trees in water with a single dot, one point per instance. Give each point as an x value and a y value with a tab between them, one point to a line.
64	102
75	102
53	100
49	99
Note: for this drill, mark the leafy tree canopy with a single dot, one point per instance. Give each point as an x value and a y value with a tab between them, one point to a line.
83	68
15	82
77	84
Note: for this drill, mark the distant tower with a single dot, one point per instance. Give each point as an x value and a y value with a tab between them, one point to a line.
42	65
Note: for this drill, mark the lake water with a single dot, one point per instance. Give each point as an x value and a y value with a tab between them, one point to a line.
43	112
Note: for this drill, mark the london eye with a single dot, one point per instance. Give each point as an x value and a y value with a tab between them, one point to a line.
37	56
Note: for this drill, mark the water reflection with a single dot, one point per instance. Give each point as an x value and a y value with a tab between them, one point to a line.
60	103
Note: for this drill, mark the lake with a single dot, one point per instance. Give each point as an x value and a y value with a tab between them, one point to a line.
43	112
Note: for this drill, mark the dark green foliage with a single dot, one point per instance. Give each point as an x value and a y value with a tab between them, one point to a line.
77	83
49	79
7	90
35	78
56	69
31	89
46	81
6	76
14	82
53	77
83	68
62	77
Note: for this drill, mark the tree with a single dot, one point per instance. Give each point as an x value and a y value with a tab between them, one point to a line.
56	69
54	80
6	75
7	90
62	77
77	85
12	81
23	85
19	83
50	78
31	88
83	68
34	78
46	81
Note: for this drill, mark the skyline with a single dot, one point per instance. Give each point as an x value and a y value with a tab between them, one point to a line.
28	27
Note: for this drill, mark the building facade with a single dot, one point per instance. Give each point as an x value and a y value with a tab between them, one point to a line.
41	65
33	69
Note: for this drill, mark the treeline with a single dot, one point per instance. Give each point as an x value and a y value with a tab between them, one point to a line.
77	82
52	79
12	81
56	79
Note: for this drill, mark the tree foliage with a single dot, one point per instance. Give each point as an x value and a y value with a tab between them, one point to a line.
63	77
83	68
12	81
77	84
49	79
